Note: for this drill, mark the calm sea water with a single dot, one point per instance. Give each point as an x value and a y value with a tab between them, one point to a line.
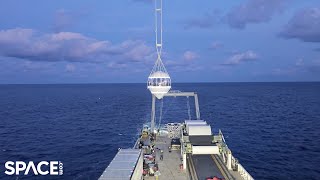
272	128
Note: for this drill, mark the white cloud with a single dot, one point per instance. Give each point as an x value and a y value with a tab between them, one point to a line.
239	58
69	46
254	11
304	25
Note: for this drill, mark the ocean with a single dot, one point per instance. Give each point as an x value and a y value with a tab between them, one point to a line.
272	128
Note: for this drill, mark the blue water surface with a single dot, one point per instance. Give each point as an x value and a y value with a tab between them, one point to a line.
272	128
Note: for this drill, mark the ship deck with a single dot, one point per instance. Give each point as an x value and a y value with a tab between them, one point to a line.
169	167
200	167
205	166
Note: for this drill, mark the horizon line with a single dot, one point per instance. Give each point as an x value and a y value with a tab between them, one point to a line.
84	83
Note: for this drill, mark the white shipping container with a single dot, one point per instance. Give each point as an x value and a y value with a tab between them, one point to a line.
199	130
194	122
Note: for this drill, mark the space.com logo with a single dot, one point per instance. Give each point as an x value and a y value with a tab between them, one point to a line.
42	168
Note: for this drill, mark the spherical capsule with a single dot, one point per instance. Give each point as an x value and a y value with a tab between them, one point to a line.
159	83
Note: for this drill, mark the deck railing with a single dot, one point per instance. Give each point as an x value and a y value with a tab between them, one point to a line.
236	166
244	173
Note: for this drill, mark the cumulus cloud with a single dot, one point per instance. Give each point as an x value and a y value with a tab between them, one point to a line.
69	46
304	25
249	12
239	58
185	62
190	55
254	11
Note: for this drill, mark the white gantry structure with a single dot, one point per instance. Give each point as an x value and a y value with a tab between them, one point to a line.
159	81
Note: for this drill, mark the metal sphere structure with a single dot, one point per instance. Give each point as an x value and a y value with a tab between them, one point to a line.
159	81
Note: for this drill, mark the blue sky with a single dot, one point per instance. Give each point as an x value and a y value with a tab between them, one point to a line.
78	41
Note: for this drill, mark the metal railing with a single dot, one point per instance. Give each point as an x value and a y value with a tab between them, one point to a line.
244	173
236	166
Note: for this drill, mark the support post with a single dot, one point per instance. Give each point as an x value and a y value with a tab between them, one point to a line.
184	160
197	106
153	112
229	160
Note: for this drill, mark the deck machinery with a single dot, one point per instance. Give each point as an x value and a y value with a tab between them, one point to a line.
202	154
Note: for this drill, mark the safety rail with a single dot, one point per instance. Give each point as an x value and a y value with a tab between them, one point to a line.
244	173
234	165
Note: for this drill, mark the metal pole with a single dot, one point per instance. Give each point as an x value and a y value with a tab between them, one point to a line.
158	24
196	102
153	112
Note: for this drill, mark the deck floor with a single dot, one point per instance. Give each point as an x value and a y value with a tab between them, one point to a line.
170	166
205	166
